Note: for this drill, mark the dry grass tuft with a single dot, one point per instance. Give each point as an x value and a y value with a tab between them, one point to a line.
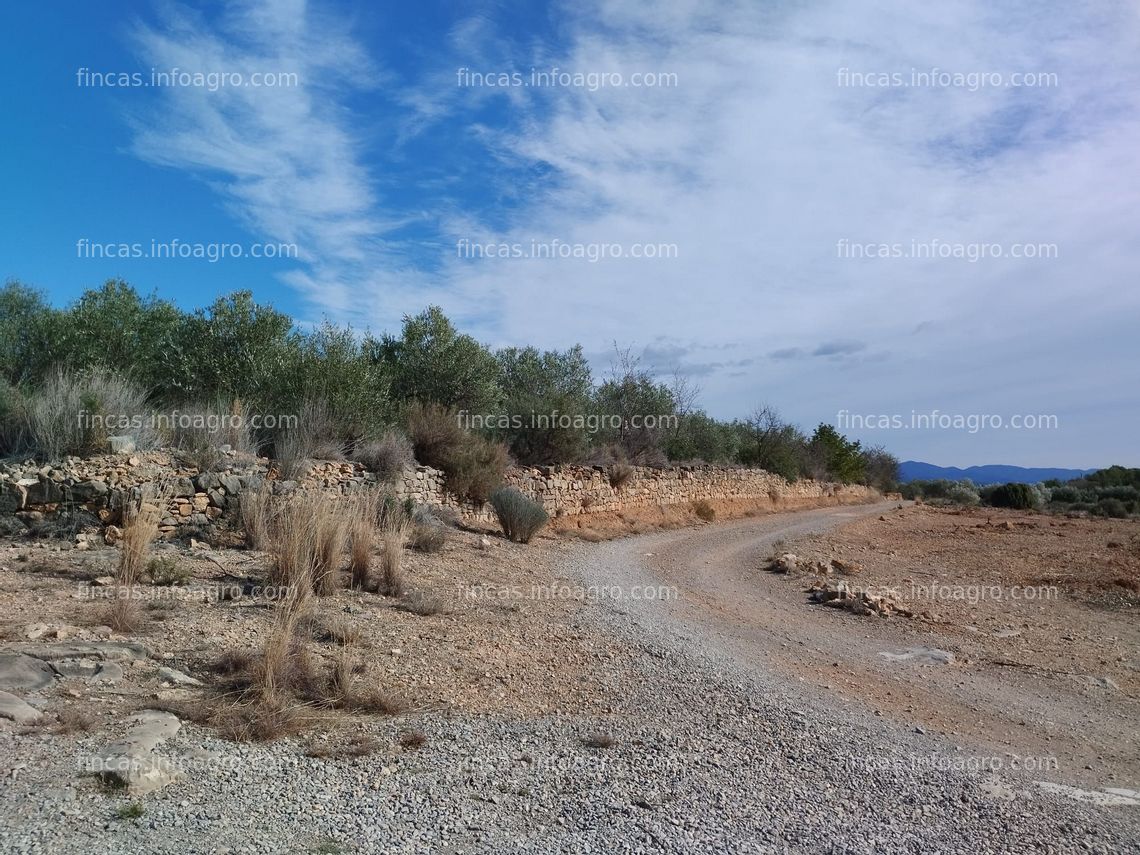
140	528
704	510
393	539
620	474
413	740
256	508
365	512
359	745
337	630
332	538
73	721
599	741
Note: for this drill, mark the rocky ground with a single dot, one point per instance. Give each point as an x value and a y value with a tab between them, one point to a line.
655	693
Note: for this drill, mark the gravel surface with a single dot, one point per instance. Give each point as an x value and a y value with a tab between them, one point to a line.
709	753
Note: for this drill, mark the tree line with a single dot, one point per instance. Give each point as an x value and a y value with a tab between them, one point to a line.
355	387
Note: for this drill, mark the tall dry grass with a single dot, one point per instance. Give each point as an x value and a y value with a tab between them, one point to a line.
257	509
362	533
393	538
140	529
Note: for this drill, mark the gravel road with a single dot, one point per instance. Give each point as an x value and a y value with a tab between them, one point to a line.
712	750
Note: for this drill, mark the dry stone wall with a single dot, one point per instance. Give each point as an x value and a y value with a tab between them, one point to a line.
573	490
100	486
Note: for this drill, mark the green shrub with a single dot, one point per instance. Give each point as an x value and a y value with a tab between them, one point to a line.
435	433
166	571
13	419
519	516
1066	495
1112	508
1020	497
476	468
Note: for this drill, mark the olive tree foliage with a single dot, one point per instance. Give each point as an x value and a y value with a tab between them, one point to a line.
352	389
431	362
29	330
546	404
832	456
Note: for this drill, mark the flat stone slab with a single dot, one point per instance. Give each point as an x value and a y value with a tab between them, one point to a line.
177	678
920	656
18	671
132	762
115	651
17	710
91	670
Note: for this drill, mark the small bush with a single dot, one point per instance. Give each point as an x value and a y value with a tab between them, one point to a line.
423	605
476	468
620	474
1019	497
387	456
1112	508
599	741
704	510
473	466
435	433
519	516
129	811
167	572
75	412
428	534
413	740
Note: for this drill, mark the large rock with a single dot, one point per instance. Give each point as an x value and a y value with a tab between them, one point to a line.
44	492
132	762
18	671
86	491
17	710
13	497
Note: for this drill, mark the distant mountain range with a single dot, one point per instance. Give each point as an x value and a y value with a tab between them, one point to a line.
915	470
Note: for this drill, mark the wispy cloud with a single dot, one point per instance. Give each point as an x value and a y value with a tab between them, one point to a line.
755	165
285	159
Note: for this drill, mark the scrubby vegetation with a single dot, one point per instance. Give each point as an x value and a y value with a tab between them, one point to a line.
1112	492
520	517
242	375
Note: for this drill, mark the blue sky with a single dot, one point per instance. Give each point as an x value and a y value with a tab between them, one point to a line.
759	153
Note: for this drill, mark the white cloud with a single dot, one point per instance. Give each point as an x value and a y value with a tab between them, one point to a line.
755	166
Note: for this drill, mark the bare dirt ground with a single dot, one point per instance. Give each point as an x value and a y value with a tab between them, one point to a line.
656	693
501	636
1038	612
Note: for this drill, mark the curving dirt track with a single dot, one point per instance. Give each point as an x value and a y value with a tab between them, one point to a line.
993	698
